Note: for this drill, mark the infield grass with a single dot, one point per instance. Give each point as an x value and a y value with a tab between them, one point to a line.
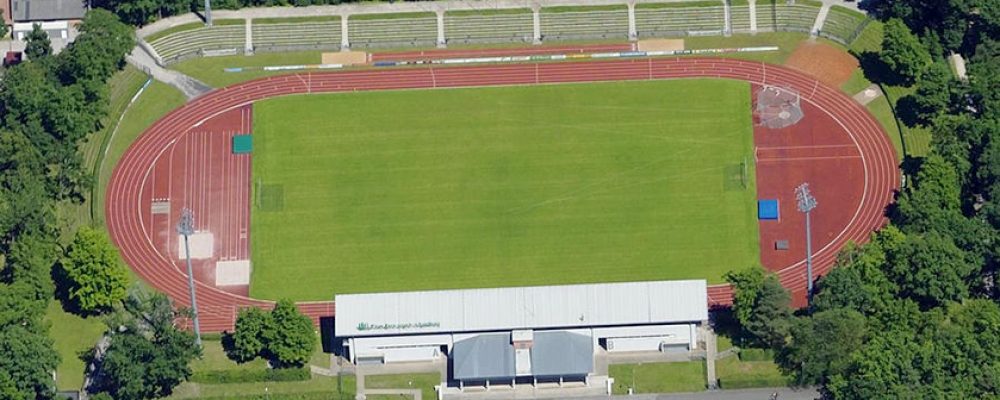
505	186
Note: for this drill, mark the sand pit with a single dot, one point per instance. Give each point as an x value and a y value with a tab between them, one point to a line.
661	45
345	58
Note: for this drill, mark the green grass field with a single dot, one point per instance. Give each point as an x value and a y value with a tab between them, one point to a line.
488	187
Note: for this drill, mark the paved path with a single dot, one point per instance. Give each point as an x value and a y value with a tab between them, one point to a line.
189	86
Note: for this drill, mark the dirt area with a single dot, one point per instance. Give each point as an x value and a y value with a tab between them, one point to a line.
827	63
661	44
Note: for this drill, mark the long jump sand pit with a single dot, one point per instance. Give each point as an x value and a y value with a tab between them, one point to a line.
345	58
661	45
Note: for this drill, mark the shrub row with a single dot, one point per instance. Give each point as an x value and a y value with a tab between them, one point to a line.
252	375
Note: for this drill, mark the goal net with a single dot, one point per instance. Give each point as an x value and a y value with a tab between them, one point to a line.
777	107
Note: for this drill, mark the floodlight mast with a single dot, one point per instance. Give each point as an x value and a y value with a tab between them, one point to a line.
208	12
186	227
807	203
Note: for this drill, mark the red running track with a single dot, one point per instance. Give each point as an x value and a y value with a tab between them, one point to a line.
218	308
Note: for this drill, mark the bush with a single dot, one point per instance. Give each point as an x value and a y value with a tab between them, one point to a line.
252	375
756	355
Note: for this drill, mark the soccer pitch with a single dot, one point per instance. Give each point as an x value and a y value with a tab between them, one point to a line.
507	186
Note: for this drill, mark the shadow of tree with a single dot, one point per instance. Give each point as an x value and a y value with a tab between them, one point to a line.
878	71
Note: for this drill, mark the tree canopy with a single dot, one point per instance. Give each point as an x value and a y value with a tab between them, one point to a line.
284	336
94	279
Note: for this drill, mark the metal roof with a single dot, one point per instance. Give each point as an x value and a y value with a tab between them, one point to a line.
483	357
480	310
47	10
561	353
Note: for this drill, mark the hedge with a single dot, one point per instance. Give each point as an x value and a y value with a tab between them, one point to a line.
252	375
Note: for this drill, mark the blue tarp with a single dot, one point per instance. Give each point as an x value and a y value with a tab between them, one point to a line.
767	209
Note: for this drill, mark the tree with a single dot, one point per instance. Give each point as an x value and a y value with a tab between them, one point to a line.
902	51
8	390
761	306
930	269
3	29
291	340
820	345
932	199
856	283
247	338
99	51
29	359
933	97
147	356
37	43
94	279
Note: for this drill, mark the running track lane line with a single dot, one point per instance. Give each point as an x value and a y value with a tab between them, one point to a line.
123	206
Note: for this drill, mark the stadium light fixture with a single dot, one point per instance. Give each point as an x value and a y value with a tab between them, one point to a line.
807	203
186	227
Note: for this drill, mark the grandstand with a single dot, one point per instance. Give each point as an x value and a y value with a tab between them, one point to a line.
740	17
502	26
398	30
287	36
843	25
194	42
572	25
489	27
777	15
679	21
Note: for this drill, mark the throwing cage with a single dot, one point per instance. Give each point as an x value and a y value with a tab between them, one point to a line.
777	107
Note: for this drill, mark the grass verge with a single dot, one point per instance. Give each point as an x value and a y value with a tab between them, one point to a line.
424	382
736	374
668	377
211	70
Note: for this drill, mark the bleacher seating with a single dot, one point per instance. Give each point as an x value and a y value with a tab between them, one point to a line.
417	31
842	25
678	21
489	28
740	18
780	16
577	25
320	35
190	43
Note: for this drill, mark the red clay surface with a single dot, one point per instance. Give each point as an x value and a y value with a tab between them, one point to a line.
852	191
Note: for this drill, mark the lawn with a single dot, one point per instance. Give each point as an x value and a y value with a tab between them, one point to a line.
667	377
736	374
424	382
72	336
487	187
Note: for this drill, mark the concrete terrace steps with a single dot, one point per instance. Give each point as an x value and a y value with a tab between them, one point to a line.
487	28
387	32
323	34
679	20
605	24
780	16
196	40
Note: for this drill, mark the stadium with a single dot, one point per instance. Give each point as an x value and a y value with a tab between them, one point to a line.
401	187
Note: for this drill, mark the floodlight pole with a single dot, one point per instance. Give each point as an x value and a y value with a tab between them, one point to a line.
807	203
186	227
208	12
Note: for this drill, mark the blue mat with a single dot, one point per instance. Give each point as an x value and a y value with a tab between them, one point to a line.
767	209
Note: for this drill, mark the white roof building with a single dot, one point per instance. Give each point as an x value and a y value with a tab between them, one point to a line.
536	307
